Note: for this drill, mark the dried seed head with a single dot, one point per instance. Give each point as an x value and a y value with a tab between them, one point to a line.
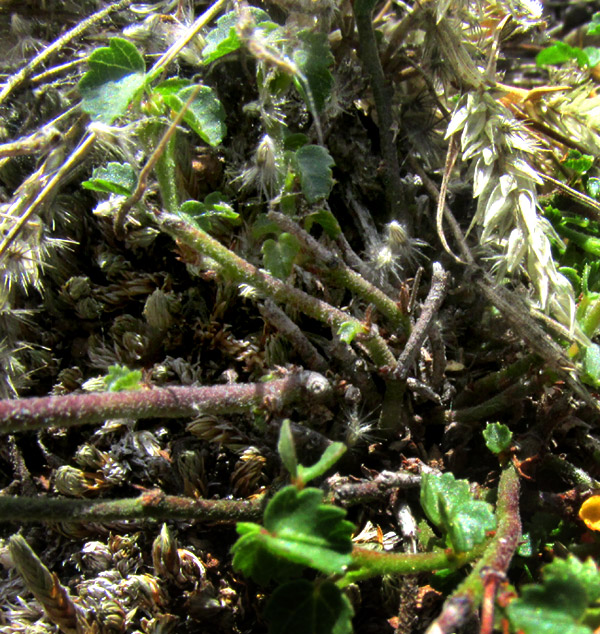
77	483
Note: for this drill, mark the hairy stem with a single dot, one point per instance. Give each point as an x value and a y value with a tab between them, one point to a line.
151	505
167	402
343	275
240	270
373	563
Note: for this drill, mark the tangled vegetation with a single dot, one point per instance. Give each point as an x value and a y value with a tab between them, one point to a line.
239	239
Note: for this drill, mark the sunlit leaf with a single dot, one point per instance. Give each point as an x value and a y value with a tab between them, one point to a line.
116	74
114	178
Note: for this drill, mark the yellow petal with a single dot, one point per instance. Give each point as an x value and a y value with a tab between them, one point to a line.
590	512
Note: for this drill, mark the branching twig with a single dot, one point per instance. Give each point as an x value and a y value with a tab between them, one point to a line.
309	354
14	81
240	270
344	275
435	297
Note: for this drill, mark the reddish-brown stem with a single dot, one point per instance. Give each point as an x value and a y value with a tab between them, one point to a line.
167	402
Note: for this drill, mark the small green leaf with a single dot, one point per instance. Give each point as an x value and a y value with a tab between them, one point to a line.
313	57
171	86
287	449
330	456
449	504
305	531
120	378
278	256
115	178
591	365
253	558
327	220
497	437
314	165
213	210
223	38
594	25
205	115
309	607
349	330
116	74
559	53
578	162
593	187
593	55
299	529
294	141
559	604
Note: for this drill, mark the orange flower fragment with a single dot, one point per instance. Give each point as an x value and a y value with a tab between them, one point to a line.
590	513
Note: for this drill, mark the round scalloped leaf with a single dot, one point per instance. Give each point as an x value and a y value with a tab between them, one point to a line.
497	438
305	607
117	72
205	115
314	165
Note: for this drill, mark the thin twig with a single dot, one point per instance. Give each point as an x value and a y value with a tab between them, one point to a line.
168	402
168	56
309	354
153	159
14	81
74	158
435	297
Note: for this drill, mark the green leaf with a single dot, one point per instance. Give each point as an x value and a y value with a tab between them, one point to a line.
308	607
278	256
121	378
594	25
558	605
449	505
171	86
314	58
593	55
327	220
330	456
591	365
349	329
255	560
294	141
559	53
305	531
593	187
115	178
214	209
116	74
578	162
223	38
205	115
297	528
314	165
287	449
497	437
